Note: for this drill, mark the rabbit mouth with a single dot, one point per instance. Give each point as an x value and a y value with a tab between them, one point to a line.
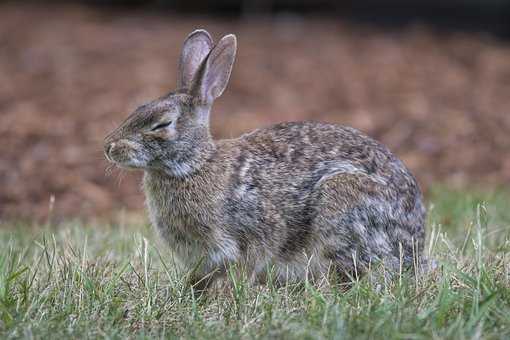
126	163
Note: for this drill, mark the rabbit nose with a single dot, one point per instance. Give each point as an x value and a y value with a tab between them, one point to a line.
108	149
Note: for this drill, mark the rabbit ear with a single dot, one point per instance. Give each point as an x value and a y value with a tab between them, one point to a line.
210	82
196	48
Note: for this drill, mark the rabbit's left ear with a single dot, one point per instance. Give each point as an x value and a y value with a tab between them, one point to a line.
212	78
196	48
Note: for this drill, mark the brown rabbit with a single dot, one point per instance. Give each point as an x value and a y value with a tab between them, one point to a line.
307	198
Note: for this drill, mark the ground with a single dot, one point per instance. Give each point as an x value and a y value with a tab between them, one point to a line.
77	256
116	281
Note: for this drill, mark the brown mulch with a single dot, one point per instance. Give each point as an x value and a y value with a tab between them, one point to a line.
68	75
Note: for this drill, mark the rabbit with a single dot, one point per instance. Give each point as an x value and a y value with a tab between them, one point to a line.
305	198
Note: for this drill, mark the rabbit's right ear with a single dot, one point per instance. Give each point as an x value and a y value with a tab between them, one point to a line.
196	48
212	78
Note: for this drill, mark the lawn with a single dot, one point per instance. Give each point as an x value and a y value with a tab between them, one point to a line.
95	280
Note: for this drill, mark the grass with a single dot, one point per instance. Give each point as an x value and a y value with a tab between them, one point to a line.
117	281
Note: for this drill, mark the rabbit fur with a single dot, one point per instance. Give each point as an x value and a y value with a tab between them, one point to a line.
307	198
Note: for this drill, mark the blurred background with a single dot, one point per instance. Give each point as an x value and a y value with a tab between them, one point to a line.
429	78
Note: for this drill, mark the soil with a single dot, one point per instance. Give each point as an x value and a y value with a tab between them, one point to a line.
69	75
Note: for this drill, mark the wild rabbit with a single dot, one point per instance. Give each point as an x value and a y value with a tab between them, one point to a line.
308	198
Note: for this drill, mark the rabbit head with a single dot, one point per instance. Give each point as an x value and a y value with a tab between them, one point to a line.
171	133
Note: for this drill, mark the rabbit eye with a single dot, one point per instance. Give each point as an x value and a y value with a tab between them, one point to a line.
161	126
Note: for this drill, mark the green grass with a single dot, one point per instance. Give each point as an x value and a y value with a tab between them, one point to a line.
116	281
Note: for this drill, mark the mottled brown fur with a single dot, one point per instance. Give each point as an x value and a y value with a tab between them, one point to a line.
305	197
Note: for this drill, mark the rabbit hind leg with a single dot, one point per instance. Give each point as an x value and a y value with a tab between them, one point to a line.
353	220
